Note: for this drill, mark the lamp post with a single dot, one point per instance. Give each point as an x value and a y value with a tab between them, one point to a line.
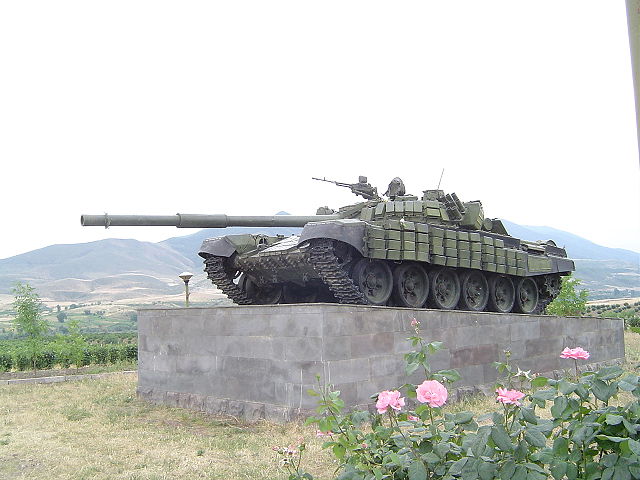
186	276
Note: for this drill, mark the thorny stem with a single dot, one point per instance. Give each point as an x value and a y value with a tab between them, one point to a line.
330	407
433	426
513	419
299	460
506	417
409	443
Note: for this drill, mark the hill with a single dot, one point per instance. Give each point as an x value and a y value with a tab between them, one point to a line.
189	245
605	272
119	269
96	270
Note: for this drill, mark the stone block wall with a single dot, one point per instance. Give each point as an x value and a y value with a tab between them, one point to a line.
259	361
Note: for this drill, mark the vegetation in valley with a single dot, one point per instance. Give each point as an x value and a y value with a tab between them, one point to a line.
628	311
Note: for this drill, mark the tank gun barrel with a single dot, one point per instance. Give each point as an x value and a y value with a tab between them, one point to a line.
182	220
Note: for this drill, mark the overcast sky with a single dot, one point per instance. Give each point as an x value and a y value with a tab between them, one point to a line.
231	107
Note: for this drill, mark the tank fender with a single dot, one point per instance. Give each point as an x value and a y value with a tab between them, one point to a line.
563	265
221	247
351	231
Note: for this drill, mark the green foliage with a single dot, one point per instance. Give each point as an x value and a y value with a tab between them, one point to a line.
28	307
71	347
630	313
28	319
66	350
570	301
6	362
586	437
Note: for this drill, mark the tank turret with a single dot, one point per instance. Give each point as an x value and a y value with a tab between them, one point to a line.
396	249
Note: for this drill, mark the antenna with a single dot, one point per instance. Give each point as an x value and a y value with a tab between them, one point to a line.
439	181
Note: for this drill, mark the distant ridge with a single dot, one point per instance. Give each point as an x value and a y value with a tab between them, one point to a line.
116	269
577	247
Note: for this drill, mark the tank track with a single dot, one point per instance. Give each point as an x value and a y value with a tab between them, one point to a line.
328	268
546	292
214	267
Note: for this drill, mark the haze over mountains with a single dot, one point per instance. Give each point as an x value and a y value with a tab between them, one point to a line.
120	269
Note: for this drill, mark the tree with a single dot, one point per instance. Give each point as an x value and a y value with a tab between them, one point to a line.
28	320
569	302
77	343
61	317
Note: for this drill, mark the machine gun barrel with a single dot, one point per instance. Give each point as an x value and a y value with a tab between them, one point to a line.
182	220
340	184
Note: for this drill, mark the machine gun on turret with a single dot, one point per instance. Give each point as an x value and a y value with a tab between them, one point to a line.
362	188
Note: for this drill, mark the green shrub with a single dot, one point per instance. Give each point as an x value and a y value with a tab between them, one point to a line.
131	352
63	357
63	351
45	360
22	360
585	438
6	362
114	353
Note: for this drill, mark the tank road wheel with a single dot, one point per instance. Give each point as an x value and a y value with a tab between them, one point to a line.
263	295
475	291
527	296
502	295
293	293
410	285
445	288
374	279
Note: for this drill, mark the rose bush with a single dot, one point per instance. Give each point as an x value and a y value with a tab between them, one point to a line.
586	437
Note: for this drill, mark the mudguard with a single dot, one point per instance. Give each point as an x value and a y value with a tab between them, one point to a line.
351	231
221	247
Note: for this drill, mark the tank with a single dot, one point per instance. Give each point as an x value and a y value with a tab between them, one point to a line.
392	249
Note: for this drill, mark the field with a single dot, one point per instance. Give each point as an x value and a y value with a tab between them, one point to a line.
108	316
99	430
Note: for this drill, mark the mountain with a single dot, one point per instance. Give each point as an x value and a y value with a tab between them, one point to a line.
577	247
119	269
605	272
96	269
189	245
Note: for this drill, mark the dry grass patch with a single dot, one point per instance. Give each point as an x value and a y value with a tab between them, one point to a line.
632	351
99	430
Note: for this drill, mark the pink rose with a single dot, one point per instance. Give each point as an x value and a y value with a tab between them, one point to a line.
576	353
509	396
415	323
388	399
432	392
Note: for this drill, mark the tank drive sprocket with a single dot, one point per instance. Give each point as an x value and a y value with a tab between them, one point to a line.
223	277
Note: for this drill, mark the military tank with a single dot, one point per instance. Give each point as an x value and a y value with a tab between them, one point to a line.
393	249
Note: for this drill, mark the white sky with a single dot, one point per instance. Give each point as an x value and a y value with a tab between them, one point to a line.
231	107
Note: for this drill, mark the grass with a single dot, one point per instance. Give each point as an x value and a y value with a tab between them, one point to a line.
98	429
119	366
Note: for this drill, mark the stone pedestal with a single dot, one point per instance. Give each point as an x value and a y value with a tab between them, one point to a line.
258	361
